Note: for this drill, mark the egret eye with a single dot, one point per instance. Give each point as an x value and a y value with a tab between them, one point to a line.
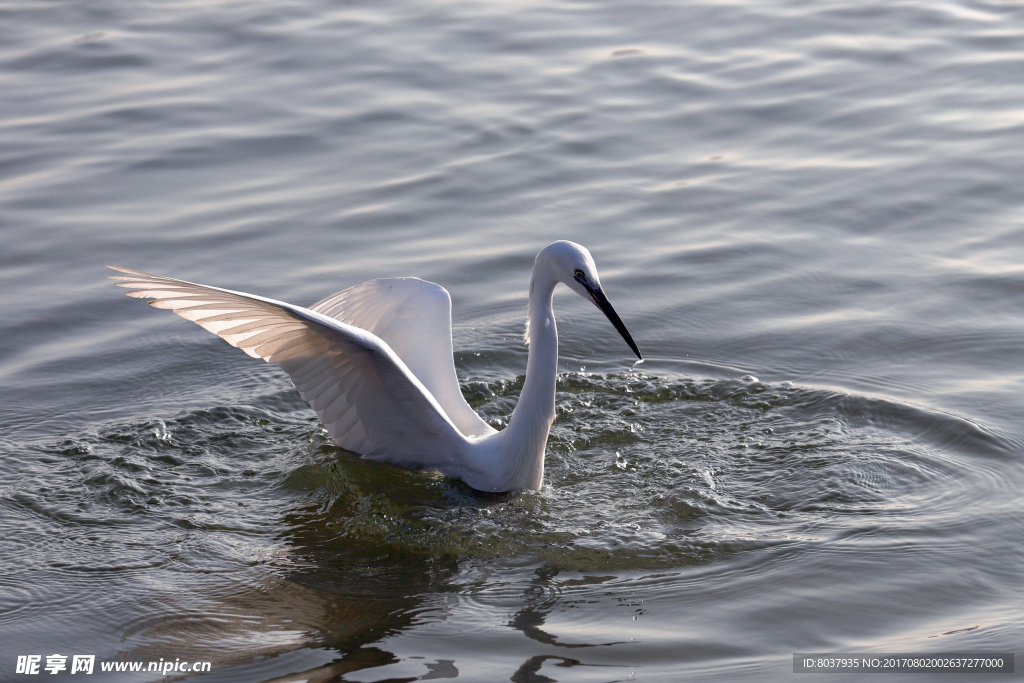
578	273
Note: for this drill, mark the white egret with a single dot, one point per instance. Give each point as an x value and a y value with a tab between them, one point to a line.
375	362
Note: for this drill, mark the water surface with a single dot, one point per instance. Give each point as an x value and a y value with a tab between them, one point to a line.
809	215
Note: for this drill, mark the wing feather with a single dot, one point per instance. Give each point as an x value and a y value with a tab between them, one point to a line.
363	392
414	317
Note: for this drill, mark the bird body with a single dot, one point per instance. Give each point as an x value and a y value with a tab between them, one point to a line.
375	362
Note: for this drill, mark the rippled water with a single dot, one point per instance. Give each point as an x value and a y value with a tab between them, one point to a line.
809	215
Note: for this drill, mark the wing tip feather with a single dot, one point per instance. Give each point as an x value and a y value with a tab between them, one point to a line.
121	269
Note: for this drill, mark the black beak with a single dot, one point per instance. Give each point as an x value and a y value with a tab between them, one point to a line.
601	301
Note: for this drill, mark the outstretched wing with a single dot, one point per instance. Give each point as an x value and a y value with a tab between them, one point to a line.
362	391
414	317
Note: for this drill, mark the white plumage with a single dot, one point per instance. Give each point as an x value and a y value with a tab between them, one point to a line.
375	362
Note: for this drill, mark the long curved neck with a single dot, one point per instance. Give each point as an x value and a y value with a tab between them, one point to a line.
527	431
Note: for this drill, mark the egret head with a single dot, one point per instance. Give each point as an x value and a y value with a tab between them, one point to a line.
572	265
